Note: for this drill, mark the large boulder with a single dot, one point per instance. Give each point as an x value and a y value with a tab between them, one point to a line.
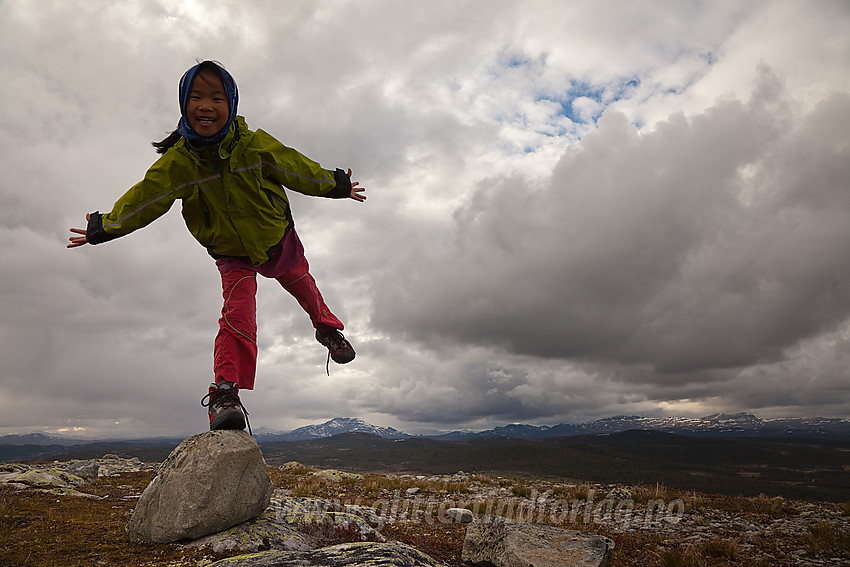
363	554
210	482
499	542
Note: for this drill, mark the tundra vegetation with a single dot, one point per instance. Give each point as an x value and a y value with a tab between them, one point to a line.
650	524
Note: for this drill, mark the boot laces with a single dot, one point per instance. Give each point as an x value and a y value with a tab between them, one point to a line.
335	342
226	398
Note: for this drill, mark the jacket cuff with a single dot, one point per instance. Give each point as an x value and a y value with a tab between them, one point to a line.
94	231
342	189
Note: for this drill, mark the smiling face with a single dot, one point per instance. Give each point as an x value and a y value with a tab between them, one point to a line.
207	110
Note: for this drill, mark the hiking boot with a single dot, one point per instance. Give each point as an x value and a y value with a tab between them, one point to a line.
339	349
225	408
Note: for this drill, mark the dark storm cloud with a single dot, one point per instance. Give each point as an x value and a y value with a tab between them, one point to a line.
714	241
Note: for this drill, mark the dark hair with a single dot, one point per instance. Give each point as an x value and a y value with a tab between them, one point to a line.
163	145
203	66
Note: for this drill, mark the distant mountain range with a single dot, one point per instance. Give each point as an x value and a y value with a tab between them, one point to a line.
39	439
328	429
717	425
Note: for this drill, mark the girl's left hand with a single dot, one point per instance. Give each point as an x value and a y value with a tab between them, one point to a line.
356	191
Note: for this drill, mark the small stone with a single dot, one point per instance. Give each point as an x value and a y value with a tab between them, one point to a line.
459	515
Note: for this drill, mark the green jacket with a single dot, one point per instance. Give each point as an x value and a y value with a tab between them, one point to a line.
233	199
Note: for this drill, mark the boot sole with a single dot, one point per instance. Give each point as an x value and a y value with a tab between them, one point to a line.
342	358
231	419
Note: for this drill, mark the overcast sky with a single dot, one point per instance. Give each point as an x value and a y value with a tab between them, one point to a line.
576	210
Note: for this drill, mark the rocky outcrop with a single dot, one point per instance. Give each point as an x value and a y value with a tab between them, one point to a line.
496	541
393	554
210	482
64	478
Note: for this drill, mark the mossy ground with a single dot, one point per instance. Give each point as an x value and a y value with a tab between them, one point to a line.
45	530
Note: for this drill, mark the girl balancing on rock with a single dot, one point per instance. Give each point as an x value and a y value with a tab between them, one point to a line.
231	182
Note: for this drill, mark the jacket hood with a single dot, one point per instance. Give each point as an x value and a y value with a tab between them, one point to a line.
183	127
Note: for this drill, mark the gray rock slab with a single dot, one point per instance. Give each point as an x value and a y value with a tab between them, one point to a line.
87	470
495	541
393	554
295	524
210	482
53	476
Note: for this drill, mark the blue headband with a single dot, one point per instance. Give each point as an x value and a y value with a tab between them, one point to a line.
183	127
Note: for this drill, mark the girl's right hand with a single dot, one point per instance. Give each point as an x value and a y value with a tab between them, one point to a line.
79	240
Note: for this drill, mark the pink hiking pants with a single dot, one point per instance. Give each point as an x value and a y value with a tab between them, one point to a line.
235	352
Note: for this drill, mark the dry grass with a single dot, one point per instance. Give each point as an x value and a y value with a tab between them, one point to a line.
716	551
759	505
824	539
443	542
644	494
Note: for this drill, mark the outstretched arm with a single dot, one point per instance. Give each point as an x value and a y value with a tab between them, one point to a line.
356	191
79	240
